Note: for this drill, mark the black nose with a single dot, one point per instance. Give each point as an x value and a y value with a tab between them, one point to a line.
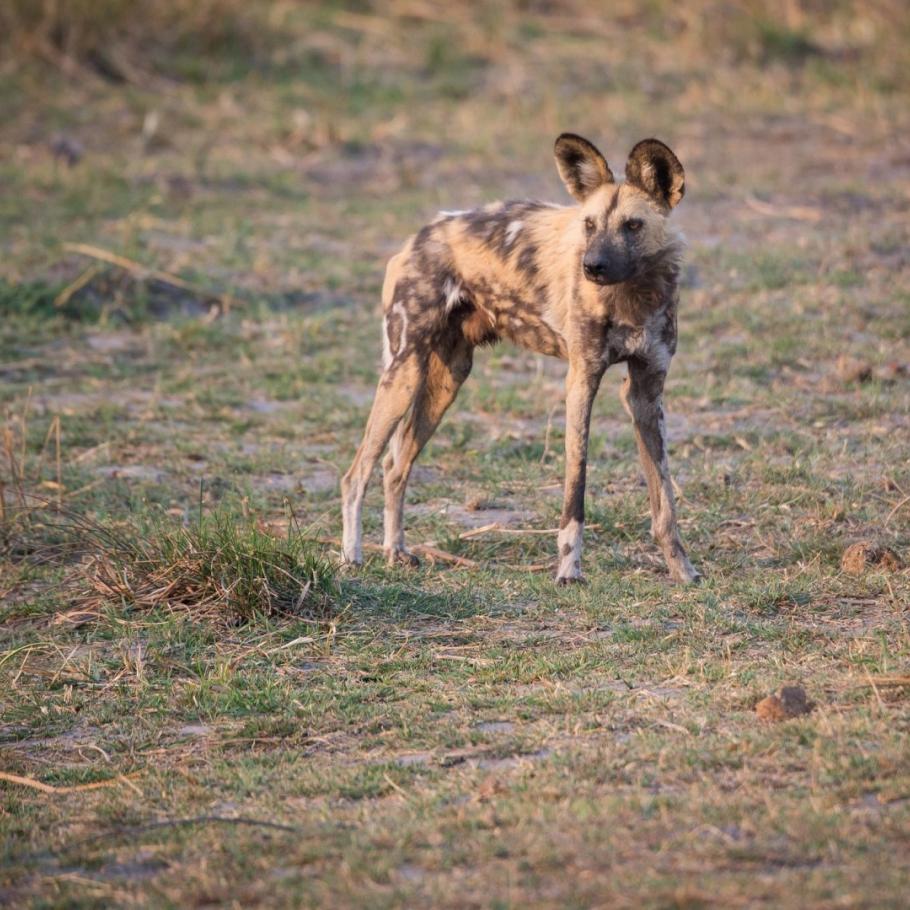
596	271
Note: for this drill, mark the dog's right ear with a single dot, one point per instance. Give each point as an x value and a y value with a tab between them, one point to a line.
582	168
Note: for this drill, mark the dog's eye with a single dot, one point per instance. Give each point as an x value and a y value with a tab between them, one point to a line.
633	225
589	225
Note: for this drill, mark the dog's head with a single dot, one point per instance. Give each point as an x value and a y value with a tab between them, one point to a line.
623	225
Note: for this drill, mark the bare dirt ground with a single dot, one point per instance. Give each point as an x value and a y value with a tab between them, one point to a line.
458	735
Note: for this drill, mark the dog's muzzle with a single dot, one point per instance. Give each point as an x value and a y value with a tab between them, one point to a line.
598	274
605	266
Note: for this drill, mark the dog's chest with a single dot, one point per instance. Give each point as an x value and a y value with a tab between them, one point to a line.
655	340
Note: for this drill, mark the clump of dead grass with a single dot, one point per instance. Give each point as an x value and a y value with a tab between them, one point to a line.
221	565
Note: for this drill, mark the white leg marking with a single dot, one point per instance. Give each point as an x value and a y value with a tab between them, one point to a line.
393	530
386	344
569	543
404	326
352	541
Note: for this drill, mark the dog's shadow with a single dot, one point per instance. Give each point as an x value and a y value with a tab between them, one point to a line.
370	596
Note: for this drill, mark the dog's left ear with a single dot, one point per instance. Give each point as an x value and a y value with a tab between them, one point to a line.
653	168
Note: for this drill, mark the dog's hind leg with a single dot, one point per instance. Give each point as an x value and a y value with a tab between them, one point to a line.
447	368
399	387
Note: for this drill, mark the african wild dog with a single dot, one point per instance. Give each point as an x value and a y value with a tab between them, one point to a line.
594	284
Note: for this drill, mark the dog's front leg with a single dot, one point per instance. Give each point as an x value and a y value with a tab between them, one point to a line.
582	383
642	394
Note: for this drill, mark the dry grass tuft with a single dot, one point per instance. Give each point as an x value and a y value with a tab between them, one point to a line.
218	566
222	566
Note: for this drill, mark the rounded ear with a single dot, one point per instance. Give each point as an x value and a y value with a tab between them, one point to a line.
582	168
653	168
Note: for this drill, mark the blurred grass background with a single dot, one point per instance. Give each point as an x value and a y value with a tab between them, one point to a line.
105	34
183	110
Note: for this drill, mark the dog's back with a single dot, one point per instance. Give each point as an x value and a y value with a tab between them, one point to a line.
491	273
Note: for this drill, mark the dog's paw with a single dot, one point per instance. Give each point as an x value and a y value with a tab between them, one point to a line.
684	573
564	580
402	558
